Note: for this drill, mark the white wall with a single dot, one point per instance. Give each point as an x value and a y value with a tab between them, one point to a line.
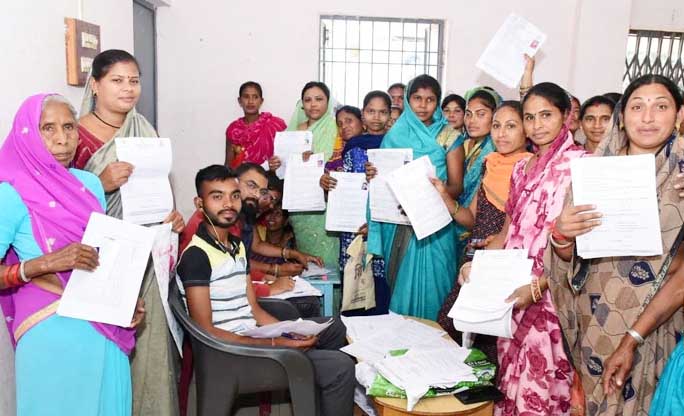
207	48
33	53
666	15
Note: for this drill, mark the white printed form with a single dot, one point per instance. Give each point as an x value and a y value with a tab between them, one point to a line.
147	197
623	189
384	206
110	292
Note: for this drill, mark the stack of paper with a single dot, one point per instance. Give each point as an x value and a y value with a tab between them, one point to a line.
384	206
299	327
391	334
301	288
419	198
504	56
302	191
481	304
346	210
288	143
623	189
146	198
418	370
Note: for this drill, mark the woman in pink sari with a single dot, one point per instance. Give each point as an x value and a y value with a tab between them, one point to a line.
534	372
250	138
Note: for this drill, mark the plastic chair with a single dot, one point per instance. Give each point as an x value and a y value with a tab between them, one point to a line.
224	370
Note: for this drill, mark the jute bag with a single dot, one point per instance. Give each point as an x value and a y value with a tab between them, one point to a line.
358	287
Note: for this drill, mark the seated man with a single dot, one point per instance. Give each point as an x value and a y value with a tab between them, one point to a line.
219	296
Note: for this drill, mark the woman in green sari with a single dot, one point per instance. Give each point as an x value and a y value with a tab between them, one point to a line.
420	273
314	112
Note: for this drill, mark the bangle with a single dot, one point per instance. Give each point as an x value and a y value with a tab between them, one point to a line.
534	297
455	210
272	342
637	336
277	266
22	272
558	245
5	277
285	253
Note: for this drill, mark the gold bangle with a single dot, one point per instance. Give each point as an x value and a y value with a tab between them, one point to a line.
455	210
534	298
277	267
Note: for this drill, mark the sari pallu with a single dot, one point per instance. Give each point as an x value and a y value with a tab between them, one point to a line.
155	361
535	374
310	226
599	299
420	273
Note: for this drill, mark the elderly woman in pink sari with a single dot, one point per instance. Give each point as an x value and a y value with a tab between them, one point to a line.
64	366
534	373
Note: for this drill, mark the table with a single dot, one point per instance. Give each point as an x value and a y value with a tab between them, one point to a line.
326	284
434	406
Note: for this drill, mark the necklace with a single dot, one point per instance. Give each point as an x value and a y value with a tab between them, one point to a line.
110	125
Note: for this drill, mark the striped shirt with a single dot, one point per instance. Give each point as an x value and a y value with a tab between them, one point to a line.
205	263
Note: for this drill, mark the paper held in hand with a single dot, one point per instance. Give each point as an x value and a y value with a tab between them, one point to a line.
302	192
346	210
299	327
109	293
288	143
481	304
504	57
623	189
384	206
146	198
419	198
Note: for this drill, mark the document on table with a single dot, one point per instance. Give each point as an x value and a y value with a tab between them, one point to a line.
418	370
394	334
384	206
302	191
623	189
419	198
301	288
109	293
346	210
288	143
164	256
503	58
481	304
299	327
146	198
314	270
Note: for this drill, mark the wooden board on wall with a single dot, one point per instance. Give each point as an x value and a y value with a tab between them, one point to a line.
82	45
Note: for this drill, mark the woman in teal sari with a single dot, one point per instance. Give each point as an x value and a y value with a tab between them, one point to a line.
477	143
419	273
314	112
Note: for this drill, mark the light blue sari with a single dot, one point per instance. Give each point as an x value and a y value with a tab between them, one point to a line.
421	273
669	395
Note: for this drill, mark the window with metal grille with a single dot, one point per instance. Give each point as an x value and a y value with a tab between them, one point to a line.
654	52
361	54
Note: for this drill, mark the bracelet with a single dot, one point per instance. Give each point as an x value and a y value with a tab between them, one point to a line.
285	253
558	245
5	277
22	272
539	292
637	336
534	297
456	207
10	277
277	266
272	342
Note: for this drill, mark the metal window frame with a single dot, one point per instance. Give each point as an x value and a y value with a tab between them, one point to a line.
322	49
669	62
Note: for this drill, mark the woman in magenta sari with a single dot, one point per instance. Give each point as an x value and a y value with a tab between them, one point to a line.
534	372
250	138
64	366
